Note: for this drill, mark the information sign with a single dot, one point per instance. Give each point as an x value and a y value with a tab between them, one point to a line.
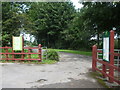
17	43
106	46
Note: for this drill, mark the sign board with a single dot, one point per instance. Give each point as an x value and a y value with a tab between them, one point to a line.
106	46
17	43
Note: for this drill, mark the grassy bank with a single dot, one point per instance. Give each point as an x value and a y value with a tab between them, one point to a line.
96	75
75	52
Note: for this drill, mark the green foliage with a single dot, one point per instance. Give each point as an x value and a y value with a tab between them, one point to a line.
50	20
116	44
48	61
101	16
14	21
17	55
4	50
51	55
91	20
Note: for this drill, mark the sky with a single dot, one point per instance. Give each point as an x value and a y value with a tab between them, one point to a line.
76	4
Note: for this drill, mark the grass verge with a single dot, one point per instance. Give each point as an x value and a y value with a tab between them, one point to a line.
74	52
100	81
30	62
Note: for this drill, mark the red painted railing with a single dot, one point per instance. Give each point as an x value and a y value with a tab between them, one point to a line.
105	64
22	53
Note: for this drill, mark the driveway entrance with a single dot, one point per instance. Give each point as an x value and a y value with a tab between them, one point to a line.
70	72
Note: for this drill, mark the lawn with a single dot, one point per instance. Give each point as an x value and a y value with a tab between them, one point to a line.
75	52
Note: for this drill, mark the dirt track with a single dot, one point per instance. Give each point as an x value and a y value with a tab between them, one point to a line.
71	72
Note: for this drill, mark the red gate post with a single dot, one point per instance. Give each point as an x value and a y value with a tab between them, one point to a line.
111	70
6	53
40	51
94	57
13	54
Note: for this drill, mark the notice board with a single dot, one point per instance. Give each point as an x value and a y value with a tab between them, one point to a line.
17	43
106	46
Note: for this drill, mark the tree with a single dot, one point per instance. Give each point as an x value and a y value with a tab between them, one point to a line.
13	21
50	20
91	20
101	16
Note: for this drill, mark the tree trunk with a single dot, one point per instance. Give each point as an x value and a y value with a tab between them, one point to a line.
38	40
48	43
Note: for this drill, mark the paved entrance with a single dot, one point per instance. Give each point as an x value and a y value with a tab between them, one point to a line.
71	72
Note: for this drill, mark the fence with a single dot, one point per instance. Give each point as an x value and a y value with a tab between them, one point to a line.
108	68
11	55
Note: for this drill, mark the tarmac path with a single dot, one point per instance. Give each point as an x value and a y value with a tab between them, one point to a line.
70	72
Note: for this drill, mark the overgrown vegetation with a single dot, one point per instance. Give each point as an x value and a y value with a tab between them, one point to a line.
51	55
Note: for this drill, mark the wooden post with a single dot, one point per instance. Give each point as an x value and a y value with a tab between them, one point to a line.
23	48
29	55
104	70
13	54
6	52
40	51
94	57
111	70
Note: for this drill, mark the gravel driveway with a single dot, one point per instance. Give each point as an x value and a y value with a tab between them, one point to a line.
71	72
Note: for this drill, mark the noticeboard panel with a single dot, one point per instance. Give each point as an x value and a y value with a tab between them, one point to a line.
17	43
106	46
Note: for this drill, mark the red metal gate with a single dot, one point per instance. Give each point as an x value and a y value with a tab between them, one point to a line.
108	68
22	53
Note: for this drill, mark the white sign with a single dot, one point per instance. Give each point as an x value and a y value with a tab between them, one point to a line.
17	43
106	48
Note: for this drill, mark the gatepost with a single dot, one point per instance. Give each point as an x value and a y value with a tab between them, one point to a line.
111	70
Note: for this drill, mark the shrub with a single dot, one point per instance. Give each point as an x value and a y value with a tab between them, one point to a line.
51	55
17	55
20	55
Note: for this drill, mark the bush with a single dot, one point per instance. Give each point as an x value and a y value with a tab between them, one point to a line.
17	55
20	55
51	55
